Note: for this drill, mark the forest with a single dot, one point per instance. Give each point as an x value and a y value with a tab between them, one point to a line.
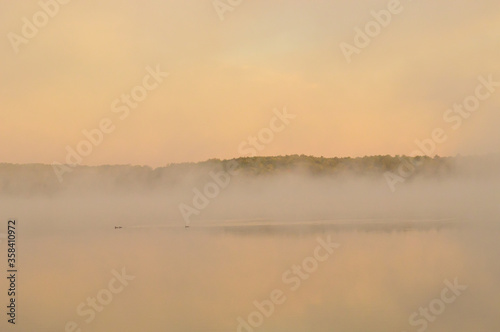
30	179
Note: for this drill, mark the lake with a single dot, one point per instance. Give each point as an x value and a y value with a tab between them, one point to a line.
264	276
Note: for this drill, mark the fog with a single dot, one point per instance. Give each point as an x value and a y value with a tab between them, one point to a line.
397	250
206	193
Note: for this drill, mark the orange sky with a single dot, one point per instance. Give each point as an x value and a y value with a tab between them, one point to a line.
226	77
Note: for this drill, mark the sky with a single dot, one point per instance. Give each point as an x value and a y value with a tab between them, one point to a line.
232	67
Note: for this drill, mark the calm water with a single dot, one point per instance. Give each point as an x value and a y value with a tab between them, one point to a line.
205	278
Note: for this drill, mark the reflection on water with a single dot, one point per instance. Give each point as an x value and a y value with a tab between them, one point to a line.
203	279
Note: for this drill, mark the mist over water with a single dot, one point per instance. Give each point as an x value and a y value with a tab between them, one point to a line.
397	251
249	166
